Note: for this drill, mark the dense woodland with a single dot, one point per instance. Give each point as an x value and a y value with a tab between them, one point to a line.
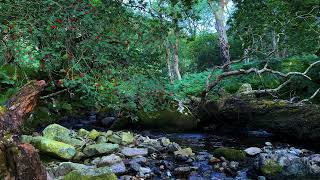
143	55
129	58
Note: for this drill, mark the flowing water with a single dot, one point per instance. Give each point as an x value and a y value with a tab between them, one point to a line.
207	142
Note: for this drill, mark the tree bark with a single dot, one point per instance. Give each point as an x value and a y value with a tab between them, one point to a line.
19	161
168	54
219	14
176	57
275	41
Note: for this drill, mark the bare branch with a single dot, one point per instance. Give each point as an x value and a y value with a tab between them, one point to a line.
54	94
222	76
265	91
311	97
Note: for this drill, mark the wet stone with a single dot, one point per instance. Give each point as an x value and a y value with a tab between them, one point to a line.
131	152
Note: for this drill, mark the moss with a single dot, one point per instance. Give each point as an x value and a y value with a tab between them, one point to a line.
74	175
170	119
3	110
127	138
103	148
83	133
187	152
61	134
269	104
93	134
230	154
26	139
271	169
55	148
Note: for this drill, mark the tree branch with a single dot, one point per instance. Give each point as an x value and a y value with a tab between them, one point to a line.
222	76
54	94
311	97
265	91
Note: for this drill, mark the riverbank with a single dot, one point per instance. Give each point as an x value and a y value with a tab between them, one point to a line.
126	155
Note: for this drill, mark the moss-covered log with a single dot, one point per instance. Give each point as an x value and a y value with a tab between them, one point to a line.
295	120
18	160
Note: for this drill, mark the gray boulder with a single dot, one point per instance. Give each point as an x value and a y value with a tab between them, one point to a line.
131	152
98	149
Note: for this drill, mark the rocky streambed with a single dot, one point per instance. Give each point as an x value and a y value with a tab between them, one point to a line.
82	154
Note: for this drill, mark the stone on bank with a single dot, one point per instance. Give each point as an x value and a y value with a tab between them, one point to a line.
98	149
55	148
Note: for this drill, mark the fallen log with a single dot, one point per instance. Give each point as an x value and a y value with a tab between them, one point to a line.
18	160
297	121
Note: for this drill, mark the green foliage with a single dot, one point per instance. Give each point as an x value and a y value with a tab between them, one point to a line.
111	55
204	51
194	83
90	47
191	85
288	27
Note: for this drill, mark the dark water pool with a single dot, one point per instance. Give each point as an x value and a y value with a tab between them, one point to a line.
204	141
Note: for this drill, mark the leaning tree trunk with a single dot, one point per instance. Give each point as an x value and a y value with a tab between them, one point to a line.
18	160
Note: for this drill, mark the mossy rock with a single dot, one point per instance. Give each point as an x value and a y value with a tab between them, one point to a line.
230	154
98	149
187	152
75	175
26	139
83	133
101	139
61	134
54	130
55	148
127	138
115	138
271	169
93	134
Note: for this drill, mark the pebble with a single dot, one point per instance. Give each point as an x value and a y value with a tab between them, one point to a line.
138	159
261	178
214	160
109	160
253	151
234	165
144	172
268	143
184	170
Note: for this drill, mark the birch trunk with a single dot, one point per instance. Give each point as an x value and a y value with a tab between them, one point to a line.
176	57
219	14
168	54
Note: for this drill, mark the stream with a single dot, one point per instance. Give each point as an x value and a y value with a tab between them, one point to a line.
153	154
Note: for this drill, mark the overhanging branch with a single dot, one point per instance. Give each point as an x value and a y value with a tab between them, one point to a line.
265	69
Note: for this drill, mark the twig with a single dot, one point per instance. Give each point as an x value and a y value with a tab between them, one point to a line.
54	94
264	91
310	98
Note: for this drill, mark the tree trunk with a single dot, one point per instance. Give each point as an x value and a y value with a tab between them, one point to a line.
168	54
19	161
176	57
275	40
219	14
